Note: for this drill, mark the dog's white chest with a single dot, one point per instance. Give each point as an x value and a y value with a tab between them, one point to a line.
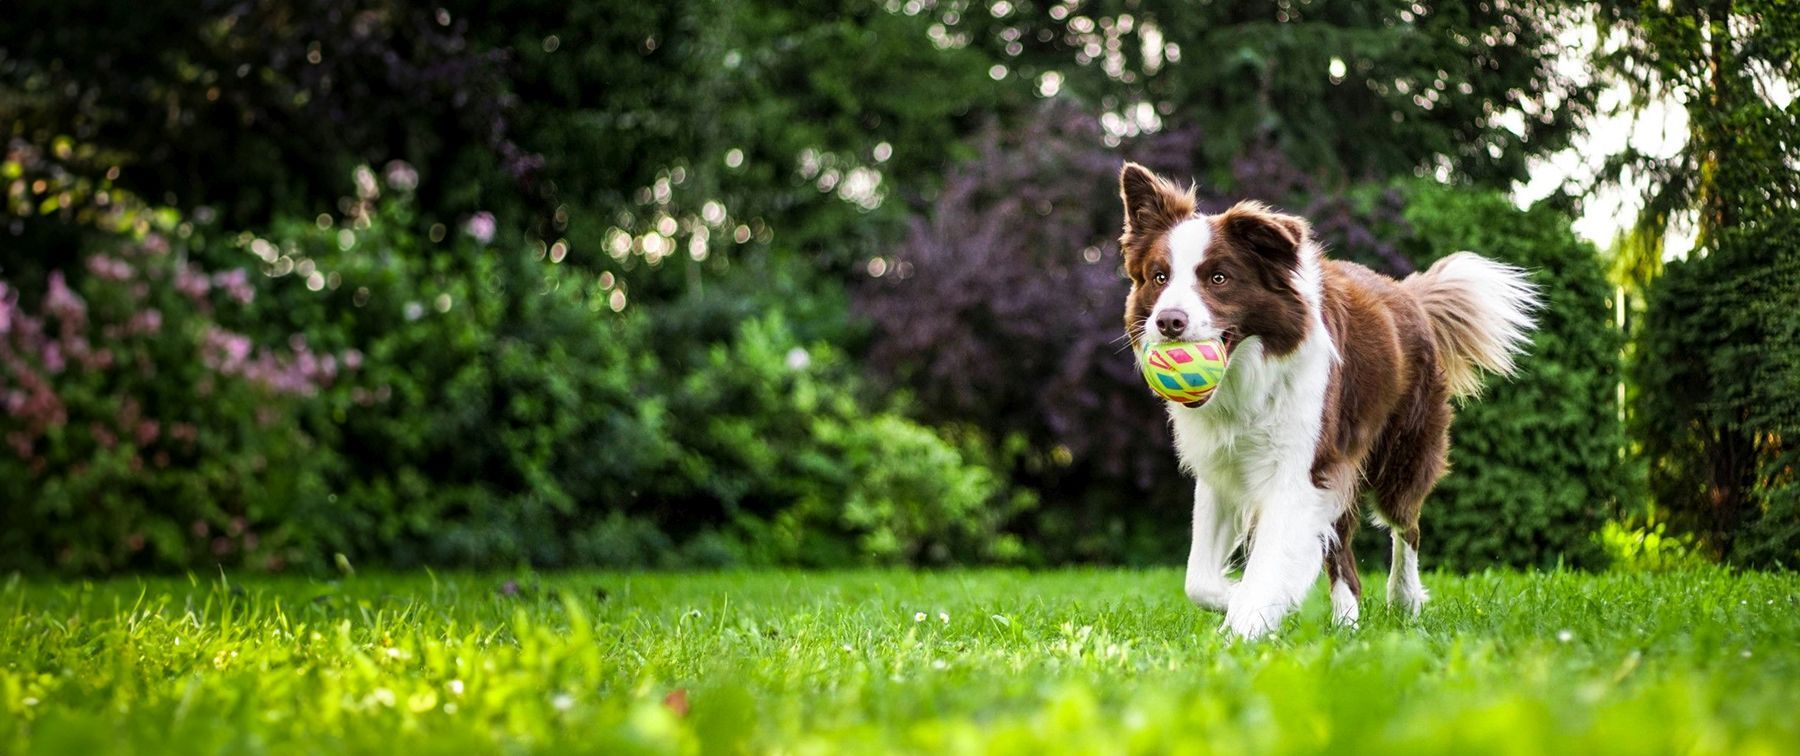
1263	422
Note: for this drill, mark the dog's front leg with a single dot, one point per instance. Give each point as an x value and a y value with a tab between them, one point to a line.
1286	553
1216	532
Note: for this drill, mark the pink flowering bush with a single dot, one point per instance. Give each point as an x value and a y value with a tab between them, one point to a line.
143	430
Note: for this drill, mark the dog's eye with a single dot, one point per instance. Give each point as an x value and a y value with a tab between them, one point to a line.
1218	279
1160	278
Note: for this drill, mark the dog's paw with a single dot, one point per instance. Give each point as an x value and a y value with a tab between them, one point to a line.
1213	596
1251	617
1346	610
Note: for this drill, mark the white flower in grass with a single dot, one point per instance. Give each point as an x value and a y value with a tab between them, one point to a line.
563	702
456	686
944	617
919	617
1565	636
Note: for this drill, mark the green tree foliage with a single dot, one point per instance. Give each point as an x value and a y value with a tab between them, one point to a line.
1534	464
1351	89
1718	370
1714	369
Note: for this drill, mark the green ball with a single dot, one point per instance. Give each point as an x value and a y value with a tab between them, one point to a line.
1184	372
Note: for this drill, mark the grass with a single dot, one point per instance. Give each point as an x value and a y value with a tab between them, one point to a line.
1013	662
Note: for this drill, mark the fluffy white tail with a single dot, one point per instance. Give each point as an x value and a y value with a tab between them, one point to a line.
1480	313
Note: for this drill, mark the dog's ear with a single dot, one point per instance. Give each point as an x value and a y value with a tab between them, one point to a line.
1273	237
1152	203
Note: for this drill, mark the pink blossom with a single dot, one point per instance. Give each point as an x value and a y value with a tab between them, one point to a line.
400	175
353	360
6	309
99	359
147	432
236	284
192	282
53	357
109	268
481	226
64	303
145	322
184	432
365	183
225	351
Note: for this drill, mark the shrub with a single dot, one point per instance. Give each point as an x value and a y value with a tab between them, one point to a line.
451	398
142	432
1718	370
507	415
1649	547
1535	465
776	435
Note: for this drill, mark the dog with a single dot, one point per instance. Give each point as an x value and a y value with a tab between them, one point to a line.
1339	379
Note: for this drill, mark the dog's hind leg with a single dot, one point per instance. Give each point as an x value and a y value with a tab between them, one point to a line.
1340	567
1408	464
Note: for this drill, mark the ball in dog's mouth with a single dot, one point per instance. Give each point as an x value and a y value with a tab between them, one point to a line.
1185	372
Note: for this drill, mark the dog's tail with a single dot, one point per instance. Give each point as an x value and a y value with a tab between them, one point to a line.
1481	313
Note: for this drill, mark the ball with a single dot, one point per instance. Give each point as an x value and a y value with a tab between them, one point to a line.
1185	372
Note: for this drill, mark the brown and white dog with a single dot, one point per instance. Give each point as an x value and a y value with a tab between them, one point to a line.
1339	378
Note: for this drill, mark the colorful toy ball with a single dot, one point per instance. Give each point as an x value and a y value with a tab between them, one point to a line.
1185	372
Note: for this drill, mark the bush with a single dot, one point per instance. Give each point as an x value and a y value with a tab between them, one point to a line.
1535	464
506	414
776	435
1649	547
451	398
1718	370
142	432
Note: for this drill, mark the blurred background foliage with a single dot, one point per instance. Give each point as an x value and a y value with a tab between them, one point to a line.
709	283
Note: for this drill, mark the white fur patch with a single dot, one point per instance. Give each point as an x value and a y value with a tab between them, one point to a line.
1344	607
1404	590
1216	534
1187	248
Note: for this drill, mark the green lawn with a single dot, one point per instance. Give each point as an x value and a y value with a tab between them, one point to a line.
1081	661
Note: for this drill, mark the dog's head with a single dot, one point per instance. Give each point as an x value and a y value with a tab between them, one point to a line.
1244	273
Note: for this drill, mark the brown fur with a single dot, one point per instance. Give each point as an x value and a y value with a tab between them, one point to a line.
1256	250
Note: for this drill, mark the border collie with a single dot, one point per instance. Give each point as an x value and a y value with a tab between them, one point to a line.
1339	379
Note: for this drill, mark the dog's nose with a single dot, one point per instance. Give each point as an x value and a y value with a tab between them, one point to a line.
1172	323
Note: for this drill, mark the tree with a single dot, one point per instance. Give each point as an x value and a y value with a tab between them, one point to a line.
1717	414
1348	89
